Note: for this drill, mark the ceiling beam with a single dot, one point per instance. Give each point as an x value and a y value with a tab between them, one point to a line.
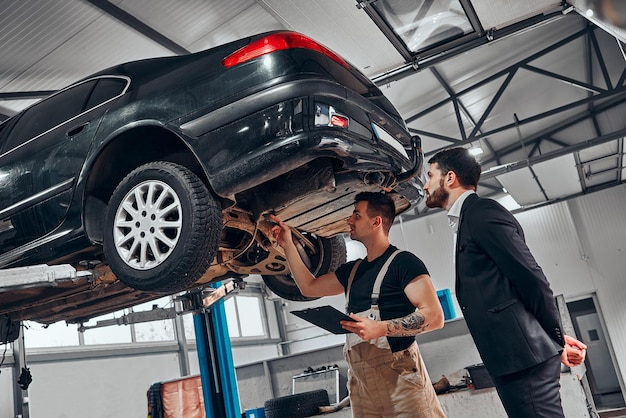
601	62
435	136
623	76
505	72
454	98
567	123
618	93
620	159
491	105
459	108
137	25
616	98
555	154
567	80
581	172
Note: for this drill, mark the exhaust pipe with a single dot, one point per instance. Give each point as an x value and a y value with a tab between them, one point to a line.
418	160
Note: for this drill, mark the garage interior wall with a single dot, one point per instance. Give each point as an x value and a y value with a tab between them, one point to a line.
580	244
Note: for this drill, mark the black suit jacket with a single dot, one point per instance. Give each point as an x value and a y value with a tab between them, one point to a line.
505	297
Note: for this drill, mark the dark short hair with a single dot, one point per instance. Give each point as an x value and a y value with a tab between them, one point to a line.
378	204
459	160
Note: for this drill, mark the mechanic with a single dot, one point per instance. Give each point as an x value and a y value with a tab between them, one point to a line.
391	298
504	295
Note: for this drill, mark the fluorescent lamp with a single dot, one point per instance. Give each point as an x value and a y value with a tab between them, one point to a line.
475	151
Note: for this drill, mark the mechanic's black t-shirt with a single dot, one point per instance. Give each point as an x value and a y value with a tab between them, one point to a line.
392	302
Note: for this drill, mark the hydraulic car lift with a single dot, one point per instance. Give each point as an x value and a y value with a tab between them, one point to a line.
217	371
215	357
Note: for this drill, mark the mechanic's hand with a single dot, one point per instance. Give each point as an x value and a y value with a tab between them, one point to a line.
365	328
281	231
574	352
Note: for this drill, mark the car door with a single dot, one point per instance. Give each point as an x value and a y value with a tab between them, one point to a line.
43	154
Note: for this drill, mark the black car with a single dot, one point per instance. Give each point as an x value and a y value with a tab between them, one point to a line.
161	173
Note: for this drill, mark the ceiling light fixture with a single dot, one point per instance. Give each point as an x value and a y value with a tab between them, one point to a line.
476	151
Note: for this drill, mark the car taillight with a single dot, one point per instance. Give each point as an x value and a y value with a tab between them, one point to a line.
278	42
339	121
328	116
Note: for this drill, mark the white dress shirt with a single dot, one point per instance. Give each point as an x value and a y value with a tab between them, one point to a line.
453	218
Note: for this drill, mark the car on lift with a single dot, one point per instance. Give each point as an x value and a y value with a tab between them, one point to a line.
159	174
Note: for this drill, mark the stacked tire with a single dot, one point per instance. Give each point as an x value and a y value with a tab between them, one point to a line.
305	404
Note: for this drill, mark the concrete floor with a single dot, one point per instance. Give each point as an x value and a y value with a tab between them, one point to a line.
485	403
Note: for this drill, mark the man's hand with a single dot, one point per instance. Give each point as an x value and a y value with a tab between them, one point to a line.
574	352
365	328
281	231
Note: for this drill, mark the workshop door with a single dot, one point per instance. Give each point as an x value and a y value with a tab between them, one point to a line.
601	370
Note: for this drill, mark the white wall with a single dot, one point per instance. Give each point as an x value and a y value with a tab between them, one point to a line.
601	223
6	395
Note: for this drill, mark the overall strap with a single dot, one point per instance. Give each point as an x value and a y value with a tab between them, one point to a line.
350	279
379	279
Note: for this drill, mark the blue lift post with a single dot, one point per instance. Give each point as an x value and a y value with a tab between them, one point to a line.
215	359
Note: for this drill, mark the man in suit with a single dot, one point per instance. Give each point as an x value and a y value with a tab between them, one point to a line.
505	298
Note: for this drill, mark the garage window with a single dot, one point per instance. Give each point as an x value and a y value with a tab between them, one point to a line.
105	329
58	334
244	316
421	25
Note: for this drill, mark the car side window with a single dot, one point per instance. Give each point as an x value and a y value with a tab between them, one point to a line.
3	128
106	89
49	113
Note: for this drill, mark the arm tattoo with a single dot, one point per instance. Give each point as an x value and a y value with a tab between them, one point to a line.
412	324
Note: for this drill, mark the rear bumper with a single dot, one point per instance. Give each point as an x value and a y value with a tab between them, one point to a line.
268	134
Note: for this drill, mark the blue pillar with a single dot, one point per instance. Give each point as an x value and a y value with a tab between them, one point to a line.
225	360
215	360
204	363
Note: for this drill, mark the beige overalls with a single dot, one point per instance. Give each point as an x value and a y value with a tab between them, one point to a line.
382	383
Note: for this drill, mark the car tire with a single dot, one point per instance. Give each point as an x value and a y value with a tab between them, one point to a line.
170	244
305	404
330	254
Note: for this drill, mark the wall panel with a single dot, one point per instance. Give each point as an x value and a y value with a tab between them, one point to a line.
601	221
553	239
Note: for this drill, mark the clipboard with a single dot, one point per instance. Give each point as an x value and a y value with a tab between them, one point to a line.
326	317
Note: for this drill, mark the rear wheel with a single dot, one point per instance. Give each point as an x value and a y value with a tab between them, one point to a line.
162	228
326	255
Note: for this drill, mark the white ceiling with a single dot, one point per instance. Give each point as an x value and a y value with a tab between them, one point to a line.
539	88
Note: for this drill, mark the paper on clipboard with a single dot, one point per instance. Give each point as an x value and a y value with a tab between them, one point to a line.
326	317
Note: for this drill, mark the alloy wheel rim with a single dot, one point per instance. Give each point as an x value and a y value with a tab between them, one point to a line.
147	225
